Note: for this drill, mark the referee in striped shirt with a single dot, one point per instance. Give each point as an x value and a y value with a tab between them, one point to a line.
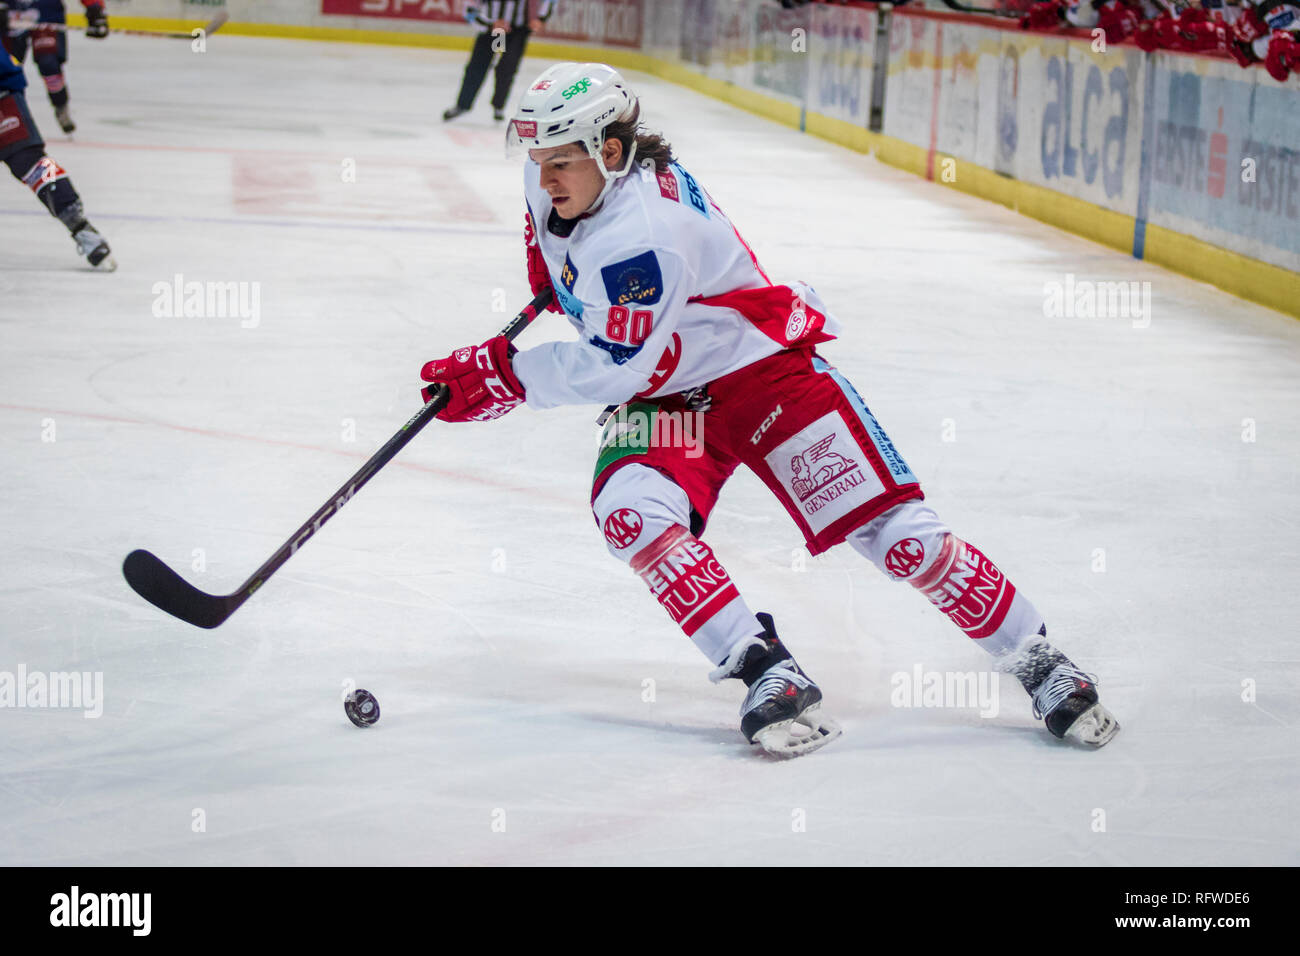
504	27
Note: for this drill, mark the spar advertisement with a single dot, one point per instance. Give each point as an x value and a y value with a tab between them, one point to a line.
444	11
615	23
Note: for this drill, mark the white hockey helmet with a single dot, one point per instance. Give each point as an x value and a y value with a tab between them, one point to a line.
574	103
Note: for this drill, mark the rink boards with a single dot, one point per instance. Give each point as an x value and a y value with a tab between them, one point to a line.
1187	161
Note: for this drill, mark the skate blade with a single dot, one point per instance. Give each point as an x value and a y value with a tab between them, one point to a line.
107	264
1094	727
782	740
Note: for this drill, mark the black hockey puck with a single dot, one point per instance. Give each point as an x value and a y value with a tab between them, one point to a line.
361	707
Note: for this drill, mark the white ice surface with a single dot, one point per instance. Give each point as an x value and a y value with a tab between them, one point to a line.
467	585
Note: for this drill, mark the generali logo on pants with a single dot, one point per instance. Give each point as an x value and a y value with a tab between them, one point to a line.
823	469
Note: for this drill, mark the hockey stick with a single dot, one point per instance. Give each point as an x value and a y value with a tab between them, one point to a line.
985	11
162	587
212	26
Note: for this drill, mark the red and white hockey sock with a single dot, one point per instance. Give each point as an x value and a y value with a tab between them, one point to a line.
686	577
909	543
965	585
645	517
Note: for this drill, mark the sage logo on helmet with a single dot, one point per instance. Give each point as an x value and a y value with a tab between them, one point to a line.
574	103
581	86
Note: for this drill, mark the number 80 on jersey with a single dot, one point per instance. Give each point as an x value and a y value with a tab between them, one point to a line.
628	328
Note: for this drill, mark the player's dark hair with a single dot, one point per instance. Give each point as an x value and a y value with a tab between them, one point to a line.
648	145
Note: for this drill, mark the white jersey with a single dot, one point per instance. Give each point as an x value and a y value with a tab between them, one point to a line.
665	295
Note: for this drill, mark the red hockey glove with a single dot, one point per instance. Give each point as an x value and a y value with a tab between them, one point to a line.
1283	55
539	277
1241	52
96	19
1204	35
1167	31
482	382
1118	21
1043	16
1146	36
1249	25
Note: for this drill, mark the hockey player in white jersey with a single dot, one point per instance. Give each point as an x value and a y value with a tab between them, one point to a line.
709	364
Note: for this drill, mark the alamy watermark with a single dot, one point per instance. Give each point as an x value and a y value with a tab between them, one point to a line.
73	690
1090	299
646	427
208	300
75	908
960	689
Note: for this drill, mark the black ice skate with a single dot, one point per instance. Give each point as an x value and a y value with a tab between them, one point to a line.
93	246
782	711
1065	698
64	116
452	113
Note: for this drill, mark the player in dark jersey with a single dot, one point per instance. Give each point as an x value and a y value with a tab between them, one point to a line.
23	151
41	24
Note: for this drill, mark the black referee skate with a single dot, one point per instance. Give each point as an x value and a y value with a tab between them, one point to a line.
782	711
1065	698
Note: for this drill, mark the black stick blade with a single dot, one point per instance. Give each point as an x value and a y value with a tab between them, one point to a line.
165	589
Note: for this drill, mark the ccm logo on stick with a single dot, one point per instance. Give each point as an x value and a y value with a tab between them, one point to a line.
320	519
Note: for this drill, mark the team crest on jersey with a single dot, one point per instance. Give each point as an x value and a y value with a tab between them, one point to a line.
568	273
668	186
638	279
623	527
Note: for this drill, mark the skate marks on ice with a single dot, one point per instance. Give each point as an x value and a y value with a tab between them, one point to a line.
719	734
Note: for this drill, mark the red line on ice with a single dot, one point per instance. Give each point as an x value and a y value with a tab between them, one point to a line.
476	477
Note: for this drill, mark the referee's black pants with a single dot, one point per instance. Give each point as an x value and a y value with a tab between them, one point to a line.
481	58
